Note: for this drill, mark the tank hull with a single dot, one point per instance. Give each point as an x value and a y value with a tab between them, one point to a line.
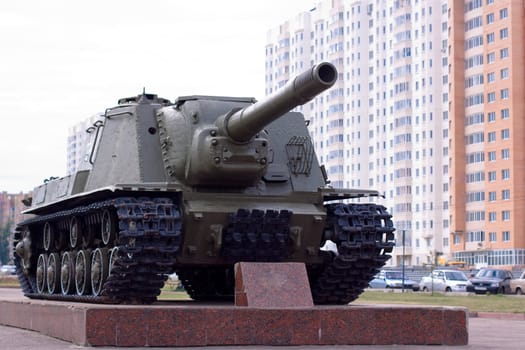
127	245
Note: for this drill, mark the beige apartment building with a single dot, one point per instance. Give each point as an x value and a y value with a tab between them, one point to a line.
384	124
487	131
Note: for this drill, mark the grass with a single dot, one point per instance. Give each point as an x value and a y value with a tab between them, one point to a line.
173	295
9	282
474	303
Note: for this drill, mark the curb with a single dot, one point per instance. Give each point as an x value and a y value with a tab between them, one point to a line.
498	315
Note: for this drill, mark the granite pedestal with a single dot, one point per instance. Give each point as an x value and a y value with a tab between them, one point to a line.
189	323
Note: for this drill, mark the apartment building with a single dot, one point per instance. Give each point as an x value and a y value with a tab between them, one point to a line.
487	107
79	143
384	125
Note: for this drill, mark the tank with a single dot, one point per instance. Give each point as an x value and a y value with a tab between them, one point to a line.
192	187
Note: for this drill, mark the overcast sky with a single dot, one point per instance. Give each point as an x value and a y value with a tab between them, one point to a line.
62	61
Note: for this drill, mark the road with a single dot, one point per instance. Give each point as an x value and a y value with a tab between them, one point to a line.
484	333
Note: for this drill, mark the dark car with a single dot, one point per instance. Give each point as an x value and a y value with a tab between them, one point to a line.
490	281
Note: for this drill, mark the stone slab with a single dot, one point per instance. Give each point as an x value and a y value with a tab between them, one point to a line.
272	285
189	323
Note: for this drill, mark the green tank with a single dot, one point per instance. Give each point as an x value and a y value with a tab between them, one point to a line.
192	187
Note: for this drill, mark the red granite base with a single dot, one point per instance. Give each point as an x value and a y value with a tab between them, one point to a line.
272	285
187	323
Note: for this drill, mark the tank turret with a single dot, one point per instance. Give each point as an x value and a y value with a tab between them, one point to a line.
232	149
193	187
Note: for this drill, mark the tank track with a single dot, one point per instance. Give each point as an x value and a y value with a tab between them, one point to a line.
148	237
251	235
364	236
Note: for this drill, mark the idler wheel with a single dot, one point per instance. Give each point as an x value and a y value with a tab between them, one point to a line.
41	271
75	232
108	227
49	236
67	273
99	270
53	273
83	272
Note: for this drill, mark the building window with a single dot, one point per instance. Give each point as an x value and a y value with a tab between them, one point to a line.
492	236
492	216
491	97
492	196
492	156
505	215
504	53
504	33
492	118
457	239
503	13
490	38
490	18
506	236
492	176
505	153
491	57
491	77
505	114
477	236
505	134
505	195
504	73
505	174
504	94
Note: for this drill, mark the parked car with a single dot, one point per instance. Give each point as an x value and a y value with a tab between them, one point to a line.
8	270
444	281
517	285
392	279
490	281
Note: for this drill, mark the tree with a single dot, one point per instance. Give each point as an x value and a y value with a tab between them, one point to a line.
4	243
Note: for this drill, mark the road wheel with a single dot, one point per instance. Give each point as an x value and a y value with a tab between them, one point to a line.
425	289
519	291
448	289
109	228
49	236
75	232
53	273
99	270
83	272
67	273
41	272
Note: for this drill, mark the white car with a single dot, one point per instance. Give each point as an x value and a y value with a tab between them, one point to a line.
392	279
7	270
444	281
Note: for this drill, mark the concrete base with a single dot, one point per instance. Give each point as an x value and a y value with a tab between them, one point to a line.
188	323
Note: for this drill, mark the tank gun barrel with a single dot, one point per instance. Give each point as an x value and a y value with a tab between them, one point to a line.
242	125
